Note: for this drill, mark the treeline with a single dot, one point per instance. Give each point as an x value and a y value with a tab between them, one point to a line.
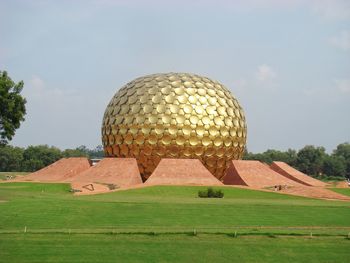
311	160
33	158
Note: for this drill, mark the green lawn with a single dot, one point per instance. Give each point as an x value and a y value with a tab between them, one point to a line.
51	206
344	191
178	248
165	224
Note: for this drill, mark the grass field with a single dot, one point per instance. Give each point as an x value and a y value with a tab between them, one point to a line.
203	248
168	224
344	191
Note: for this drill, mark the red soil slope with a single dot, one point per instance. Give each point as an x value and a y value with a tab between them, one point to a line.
254	174
117	172
59	171
181	172
293	174
343	184
315	192
258	175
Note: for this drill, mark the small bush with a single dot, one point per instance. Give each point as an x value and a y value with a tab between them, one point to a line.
112	186
210	193
202	194
74	190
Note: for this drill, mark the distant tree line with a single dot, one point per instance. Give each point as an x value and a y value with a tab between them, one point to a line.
311	160
33	158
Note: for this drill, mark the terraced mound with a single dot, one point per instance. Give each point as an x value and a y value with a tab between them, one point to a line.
106	175
342	184
181	172
315	192
293	174
254	174
59	171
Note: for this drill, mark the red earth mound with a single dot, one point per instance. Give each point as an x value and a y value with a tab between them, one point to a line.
181	172
342	184
254	174
59	171
106	175
314	192
293	174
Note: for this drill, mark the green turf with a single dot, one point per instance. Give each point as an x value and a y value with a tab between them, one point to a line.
52	206
179	248
46	211
344	191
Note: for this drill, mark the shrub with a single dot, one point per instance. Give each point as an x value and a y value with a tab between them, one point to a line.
202	194
74	190
112	186
210	193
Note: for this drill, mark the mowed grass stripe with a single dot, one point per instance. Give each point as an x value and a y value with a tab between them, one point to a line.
245	226
344	191
109	248
52	206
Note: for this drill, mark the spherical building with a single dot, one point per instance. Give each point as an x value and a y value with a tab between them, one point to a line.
174	115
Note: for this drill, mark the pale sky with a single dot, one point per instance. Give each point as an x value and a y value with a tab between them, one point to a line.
287	62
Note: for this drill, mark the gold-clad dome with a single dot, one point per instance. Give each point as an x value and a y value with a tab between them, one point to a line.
174	115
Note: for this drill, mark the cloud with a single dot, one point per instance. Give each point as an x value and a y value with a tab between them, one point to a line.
37	84
3	53
329	9
268	3
265	73
60	115
341	41
37	90
332	9
343	85
239	84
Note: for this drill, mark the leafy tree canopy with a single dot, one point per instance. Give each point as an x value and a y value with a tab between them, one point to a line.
37	157
12	107
343	151
310	159
11	158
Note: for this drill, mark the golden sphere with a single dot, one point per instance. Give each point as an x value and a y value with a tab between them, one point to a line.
174	115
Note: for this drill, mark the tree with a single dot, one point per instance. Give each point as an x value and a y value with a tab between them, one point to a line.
334	166
97	152
343	150
273	155
11	158
32	165
12	107
37	157
83	149
74	153
310	159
